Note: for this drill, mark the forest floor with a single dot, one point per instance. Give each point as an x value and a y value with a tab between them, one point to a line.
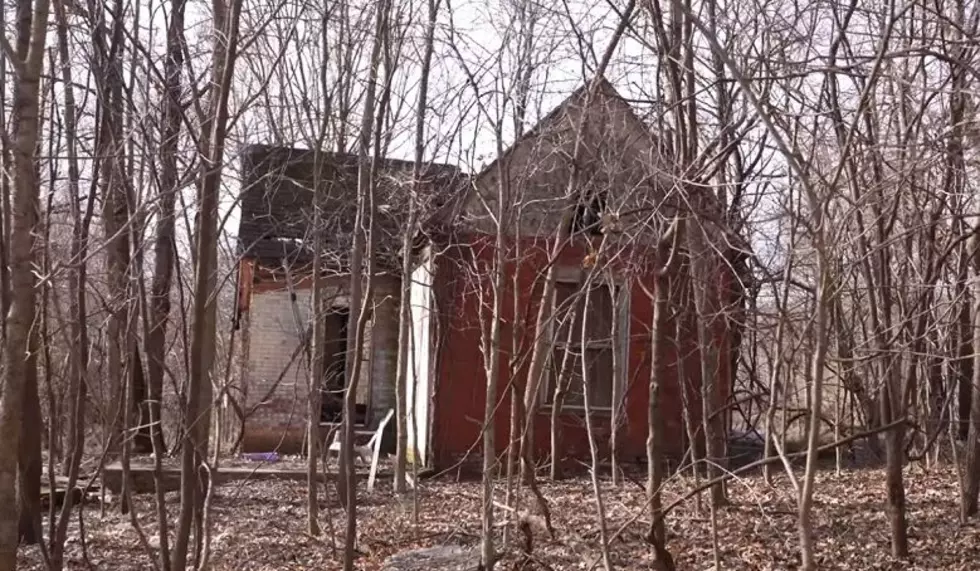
261	525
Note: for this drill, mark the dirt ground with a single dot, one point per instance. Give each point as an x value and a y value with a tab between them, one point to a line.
260	525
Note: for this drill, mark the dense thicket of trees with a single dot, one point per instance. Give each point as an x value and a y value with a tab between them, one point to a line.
835	139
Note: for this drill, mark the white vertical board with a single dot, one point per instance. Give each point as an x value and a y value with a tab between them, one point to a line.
418	387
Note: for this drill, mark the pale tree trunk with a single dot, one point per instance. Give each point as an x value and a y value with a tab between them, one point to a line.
78	360
816	206
593	452
318	312
668	256
561	389
196	421
20	317
704	270
817	372
526	19
115	211
157	314
573	194
620	364
359	298
777	363
55	404
163	247
684	385
318	353
404	307
493	356
491	350
513	434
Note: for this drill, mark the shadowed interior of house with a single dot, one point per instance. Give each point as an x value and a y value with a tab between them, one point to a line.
335	372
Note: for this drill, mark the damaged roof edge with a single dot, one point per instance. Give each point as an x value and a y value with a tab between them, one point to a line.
272	203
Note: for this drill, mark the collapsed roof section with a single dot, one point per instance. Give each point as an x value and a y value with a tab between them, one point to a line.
277	216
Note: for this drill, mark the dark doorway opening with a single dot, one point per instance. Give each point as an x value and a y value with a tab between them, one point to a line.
335	382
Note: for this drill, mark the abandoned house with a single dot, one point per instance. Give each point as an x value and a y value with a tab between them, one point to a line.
627	199
276	237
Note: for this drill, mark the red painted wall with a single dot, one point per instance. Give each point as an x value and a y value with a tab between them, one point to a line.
460	377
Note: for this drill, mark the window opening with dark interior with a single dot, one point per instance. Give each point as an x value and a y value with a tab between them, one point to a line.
334	384
588	213
570	347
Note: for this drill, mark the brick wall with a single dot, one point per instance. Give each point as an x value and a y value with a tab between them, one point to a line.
384	365
280	388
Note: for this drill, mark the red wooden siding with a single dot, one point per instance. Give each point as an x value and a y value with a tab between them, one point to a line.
460	383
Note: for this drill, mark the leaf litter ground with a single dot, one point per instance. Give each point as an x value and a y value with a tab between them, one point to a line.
261	526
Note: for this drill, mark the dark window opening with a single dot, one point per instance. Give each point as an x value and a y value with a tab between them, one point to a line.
335	370
588	214
570	348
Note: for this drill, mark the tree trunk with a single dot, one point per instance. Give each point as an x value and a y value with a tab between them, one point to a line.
668	255
404	309
318	353
32	27
573	195
704	265
30	451
404	354
618	369
32	424
561	388
964	360
359	298
78	359
593	452
116	205
655	472
894	458
971	460
5	208
817	371
196	418
163	247
775	386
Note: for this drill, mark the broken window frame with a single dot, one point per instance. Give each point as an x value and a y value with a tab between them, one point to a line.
620	305
587	219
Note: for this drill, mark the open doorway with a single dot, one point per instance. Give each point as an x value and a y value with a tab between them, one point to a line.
335	367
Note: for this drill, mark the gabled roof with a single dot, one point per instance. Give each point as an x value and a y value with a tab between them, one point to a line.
605	93
603	89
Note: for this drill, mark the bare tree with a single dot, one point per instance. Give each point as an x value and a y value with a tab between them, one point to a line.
211	147
79	356
668	257
408	241
360	292
28	61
